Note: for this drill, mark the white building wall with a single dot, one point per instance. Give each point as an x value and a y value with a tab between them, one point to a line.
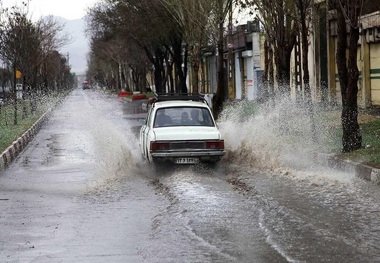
256	50
238	74
253	62
249	88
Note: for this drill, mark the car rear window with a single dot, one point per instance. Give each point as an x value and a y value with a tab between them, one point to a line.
183	116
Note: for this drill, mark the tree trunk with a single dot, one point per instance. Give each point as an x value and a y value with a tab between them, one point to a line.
196	62
349	75
184	70
180	76
159	71
195	75
282	58
220	93
305	66
284	41
170	77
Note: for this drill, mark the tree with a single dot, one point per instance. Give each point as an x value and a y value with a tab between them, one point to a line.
15	32
146	24
278	20
303	8
221	10
25	45
50	40
193	20
348	12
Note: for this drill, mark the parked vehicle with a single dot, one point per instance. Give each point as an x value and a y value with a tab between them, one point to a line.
180	129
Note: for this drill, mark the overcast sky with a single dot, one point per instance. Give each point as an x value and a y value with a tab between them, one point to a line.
69	9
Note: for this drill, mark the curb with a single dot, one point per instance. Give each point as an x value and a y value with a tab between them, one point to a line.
11	153
362	171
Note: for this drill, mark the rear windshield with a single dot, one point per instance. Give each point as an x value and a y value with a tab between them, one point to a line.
183	116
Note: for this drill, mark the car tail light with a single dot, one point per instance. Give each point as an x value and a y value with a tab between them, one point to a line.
215	144
159	146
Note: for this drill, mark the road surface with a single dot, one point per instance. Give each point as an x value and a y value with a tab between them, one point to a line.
80	192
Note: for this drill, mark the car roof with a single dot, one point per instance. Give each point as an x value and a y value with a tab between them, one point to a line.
179	103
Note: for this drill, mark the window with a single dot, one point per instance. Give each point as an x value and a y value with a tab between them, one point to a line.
183	116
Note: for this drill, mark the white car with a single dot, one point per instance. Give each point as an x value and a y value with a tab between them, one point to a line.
180	130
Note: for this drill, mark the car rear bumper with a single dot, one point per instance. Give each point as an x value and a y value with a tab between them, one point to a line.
204	156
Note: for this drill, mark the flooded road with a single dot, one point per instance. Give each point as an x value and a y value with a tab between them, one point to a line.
80	192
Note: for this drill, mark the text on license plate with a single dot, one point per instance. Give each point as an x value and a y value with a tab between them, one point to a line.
186	160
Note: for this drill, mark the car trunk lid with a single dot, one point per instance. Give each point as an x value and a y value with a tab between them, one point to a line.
186	133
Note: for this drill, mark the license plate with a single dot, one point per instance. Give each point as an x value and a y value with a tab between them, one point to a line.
186	160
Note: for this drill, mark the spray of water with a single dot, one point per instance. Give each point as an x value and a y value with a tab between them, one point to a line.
277	135
115	149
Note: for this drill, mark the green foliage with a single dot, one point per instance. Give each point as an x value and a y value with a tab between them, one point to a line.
10	132
150	95
370	152
370	130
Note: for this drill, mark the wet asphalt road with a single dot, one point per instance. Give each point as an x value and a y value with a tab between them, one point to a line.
81	193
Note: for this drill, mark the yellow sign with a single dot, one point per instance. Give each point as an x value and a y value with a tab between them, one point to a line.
18	74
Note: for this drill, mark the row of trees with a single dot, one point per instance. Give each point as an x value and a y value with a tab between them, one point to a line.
283	21
132	37
29	54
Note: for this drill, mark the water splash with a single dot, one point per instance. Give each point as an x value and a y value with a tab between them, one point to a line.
116	153
272	137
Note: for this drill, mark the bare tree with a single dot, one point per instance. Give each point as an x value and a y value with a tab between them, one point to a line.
144	24
24	46
277	18
14	33
193	20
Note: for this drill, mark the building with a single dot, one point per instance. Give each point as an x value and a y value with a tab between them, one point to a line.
243	62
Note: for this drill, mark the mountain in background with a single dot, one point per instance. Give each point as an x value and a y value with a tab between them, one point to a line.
78	47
